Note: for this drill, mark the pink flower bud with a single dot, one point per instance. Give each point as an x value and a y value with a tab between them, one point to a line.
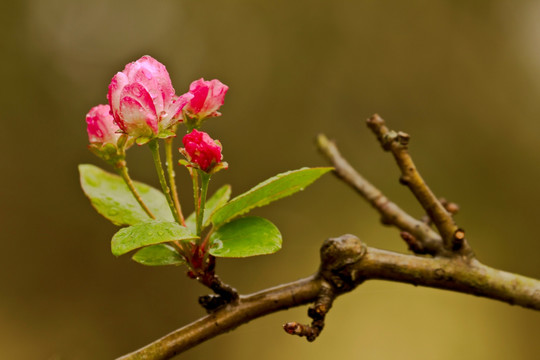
142	98
202	150
101	127
208	96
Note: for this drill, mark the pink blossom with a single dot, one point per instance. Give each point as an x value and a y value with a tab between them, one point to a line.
202	150
101	127
208	96
142	98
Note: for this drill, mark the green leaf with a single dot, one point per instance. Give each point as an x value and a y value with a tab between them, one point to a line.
275	188
220	198
148	233
111	197
248	236
157	255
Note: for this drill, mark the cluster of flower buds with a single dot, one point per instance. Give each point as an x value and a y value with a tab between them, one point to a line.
143	106
143	100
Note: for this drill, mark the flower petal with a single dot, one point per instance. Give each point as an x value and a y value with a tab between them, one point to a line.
154	77
178	105
208	96
101	127
136	119
115	89
202	150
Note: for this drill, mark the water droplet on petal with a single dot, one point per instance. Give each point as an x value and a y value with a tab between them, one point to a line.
136	91
147	74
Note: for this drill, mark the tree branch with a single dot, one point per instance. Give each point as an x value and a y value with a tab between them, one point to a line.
227	318
471	277
345	263
397	144
391	214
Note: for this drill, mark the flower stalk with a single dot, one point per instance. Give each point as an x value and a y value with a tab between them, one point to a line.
123	172
172	182
205	179
154	148
196	197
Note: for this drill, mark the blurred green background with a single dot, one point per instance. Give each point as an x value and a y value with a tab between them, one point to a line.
462	77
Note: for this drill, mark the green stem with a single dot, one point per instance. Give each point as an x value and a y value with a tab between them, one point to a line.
154	147
123	171
195	180
206	240
172	183
205	179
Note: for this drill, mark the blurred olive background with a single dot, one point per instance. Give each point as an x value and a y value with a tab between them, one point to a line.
462	77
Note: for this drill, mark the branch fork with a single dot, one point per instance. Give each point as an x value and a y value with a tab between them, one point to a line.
397	143
339	258
441	259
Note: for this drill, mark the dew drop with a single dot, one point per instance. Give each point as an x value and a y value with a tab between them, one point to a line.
147	74
92	181
136	91
217	244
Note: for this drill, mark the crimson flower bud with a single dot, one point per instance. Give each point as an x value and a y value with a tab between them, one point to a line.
142	99
202	150
208	96
101	127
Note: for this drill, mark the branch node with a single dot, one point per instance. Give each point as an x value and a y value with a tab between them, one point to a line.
224	293
211	302
451	207
396	143
311	332
458	239
404	180
414	245
403	138
317	312
391	214
426	220
388	138
337	254
338	259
